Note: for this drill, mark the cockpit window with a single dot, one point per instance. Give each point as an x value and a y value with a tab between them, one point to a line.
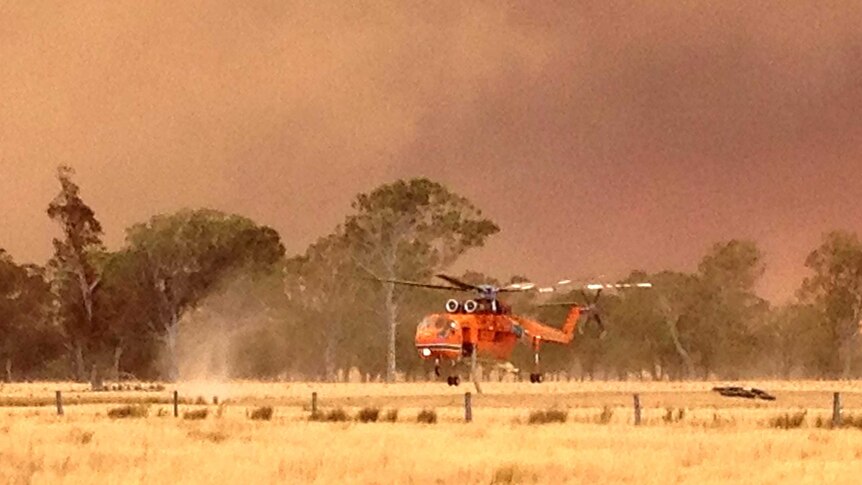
435	322
439	324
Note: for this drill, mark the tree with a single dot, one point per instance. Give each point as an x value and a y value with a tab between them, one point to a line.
836	288
794	341
645	325
728	306
707	319
127	309
330	293
185	255
24	301
75	275
409	230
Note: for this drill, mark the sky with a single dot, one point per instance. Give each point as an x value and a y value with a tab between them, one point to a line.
600	136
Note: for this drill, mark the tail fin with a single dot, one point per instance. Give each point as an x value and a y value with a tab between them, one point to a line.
572	322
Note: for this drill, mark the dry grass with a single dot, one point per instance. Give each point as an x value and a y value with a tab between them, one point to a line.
788	420
549	416
390	416
368	415
337	415
130	411
196	414
263	413
427	416
703	444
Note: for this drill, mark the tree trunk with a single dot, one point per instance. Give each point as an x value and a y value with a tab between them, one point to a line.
671	318
9	369
329	360
170	340
96	379
680	350
118	353
847	360
390	312
80	367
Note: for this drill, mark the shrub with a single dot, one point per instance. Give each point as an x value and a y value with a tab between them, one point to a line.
131	411
671	417
511	474
428	416
390	416
719	421
605	416
334	415
213	436
81	437
368	415
819	422
196	414
261	414
852	421
847	421
548	416
787	420
337	415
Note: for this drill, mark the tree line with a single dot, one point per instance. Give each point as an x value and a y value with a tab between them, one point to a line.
199	292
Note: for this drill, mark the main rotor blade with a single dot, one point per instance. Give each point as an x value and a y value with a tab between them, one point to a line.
460	284
598	286
419	285
516	287
562	303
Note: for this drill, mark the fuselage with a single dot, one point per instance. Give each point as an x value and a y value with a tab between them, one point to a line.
453	335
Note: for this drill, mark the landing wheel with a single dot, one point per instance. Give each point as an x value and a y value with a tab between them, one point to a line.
453	380
536	378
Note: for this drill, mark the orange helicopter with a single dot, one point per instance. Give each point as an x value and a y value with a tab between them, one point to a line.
485	327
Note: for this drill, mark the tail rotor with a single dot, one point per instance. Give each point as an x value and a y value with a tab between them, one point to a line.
591	309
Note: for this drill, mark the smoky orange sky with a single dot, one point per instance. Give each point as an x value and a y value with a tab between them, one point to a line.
601	136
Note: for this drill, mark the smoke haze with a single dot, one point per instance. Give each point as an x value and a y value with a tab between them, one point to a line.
600	136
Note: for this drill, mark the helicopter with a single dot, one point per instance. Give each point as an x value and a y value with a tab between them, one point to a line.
485	327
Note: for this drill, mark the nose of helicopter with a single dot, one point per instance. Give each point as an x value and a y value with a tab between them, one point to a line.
438	337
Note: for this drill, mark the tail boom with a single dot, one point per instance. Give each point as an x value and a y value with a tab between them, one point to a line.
536	330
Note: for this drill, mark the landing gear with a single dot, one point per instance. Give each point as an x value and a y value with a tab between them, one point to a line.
536	377
437	367
453	380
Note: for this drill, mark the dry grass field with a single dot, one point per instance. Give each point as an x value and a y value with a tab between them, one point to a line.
688	435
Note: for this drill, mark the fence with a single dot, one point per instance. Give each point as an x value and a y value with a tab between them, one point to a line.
468	407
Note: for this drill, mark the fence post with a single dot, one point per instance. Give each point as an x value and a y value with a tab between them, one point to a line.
836	410
637	402
314	404
468	407
176	404
59	397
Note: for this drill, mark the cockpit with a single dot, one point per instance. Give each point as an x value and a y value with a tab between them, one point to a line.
437	324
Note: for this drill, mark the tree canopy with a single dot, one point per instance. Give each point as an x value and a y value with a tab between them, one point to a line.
196	277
